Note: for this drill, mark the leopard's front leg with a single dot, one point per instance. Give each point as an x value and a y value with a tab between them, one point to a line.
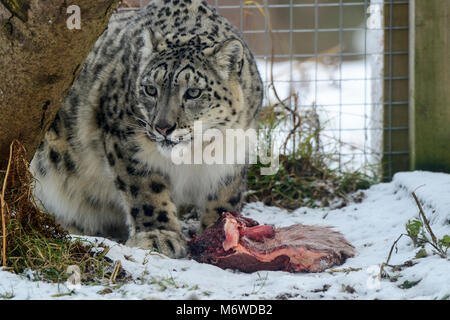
151	214
227	199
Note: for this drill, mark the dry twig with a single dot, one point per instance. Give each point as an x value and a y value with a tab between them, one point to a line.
425	220
3	204
384	264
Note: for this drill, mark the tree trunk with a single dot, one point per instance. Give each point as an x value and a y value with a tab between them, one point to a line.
40	57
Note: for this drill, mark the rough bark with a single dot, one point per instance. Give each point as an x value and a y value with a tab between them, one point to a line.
40	57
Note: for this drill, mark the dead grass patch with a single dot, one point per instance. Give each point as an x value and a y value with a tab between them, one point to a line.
32	240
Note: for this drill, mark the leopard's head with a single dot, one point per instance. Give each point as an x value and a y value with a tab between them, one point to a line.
183	84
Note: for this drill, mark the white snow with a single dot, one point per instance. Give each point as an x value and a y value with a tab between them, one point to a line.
371	226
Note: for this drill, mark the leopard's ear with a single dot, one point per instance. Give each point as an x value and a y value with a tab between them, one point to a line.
152	41
228	58
156	40
147	43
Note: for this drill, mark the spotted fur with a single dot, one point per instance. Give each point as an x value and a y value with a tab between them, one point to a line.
103	168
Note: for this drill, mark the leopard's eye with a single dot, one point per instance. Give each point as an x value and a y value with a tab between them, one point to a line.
193	93
151	91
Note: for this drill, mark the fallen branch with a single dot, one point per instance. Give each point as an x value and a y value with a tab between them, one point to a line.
345	270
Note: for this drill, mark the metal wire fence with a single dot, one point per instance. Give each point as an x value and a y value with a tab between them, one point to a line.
347	60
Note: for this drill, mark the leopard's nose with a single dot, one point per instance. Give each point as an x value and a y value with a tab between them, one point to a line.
165	128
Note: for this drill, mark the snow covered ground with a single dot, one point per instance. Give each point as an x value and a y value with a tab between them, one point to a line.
371	226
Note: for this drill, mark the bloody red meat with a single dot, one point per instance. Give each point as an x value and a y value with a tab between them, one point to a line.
237	242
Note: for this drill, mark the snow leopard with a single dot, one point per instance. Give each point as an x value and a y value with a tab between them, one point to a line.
103	167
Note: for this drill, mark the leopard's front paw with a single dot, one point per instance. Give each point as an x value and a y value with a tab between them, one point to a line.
169	243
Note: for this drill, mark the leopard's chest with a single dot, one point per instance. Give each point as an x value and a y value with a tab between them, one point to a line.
190	184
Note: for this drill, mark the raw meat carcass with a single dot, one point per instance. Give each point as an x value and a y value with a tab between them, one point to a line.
237	242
